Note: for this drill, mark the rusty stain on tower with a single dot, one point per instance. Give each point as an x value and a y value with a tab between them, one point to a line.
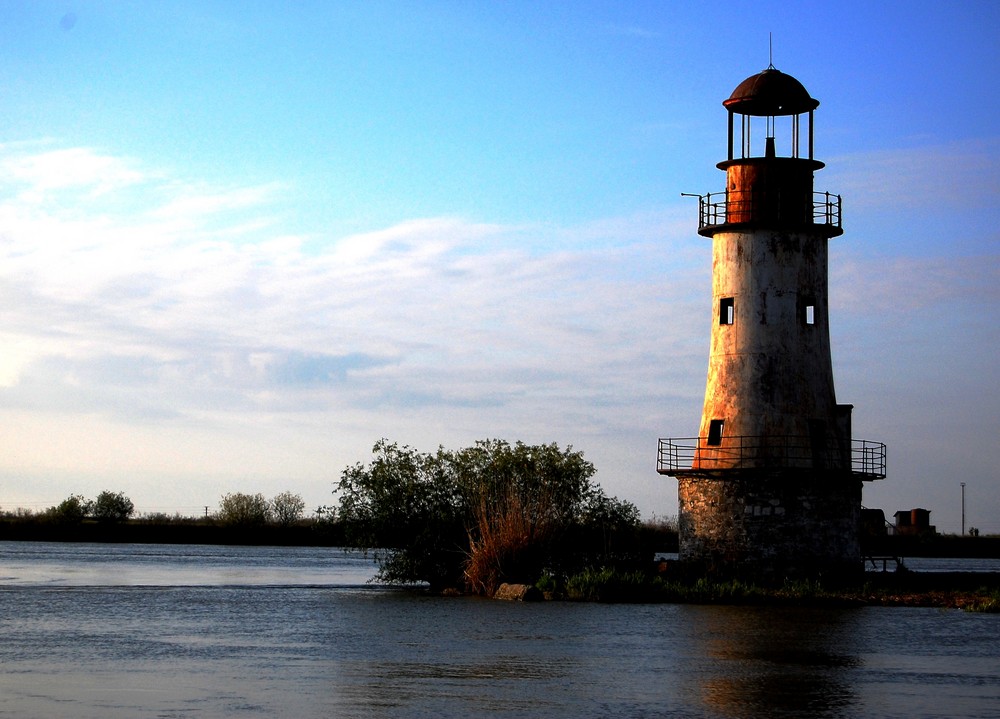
772	484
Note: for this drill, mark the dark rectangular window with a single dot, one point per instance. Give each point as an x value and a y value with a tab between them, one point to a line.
715	432
726	311
818	442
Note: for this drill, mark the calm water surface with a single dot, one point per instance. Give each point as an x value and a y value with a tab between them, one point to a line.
193	631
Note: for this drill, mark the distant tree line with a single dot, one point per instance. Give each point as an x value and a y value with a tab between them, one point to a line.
235	509
253	510
109	508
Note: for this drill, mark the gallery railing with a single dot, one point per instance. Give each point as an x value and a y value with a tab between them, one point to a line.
732	207
862	458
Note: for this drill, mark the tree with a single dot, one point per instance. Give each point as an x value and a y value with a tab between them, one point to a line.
244	510
71	510
405	508
112	507
287	508
609	529
485	514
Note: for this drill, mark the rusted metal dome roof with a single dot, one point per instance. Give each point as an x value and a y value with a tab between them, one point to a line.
770	92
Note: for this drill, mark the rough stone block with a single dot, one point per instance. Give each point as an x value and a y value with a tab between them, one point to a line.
518	593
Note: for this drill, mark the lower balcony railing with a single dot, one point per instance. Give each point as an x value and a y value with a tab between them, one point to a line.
863	458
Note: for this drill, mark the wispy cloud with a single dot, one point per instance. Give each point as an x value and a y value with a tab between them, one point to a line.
160	303
937	178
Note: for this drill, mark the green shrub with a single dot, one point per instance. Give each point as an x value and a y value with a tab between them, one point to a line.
547	584
988	602
607	584
480	516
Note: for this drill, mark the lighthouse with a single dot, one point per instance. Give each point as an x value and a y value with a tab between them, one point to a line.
771	486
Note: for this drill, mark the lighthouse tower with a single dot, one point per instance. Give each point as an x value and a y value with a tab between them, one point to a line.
771	487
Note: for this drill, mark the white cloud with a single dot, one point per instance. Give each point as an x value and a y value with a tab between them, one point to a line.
81	169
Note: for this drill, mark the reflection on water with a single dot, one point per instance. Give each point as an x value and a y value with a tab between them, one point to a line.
261	632
54	564
794	662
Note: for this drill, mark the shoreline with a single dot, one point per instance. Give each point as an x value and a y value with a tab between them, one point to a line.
975	591
969	591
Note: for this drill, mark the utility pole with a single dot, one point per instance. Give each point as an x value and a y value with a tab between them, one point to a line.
963	509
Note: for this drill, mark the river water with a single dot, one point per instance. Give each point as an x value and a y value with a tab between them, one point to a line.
193	631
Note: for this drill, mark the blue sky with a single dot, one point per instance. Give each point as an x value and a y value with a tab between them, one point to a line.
239	243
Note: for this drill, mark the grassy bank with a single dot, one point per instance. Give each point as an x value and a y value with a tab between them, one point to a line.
965	590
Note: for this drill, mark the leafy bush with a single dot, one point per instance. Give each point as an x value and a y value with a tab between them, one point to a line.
483	515
405	507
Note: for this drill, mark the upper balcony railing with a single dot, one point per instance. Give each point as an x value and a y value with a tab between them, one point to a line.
736	206
864	459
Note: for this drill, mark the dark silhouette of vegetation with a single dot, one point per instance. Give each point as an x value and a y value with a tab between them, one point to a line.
109	507
112	507
111	518
287	509
71	510
249	511
486	514
244	510
971	591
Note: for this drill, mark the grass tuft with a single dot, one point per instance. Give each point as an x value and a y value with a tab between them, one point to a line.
987	602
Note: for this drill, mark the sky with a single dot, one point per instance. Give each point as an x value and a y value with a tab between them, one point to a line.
240	243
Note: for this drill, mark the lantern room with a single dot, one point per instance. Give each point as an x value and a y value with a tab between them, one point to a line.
766	103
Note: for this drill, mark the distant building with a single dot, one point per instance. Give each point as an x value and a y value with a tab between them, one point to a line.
913	522
771	486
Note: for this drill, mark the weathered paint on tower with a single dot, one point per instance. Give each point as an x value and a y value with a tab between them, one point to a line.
772	484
